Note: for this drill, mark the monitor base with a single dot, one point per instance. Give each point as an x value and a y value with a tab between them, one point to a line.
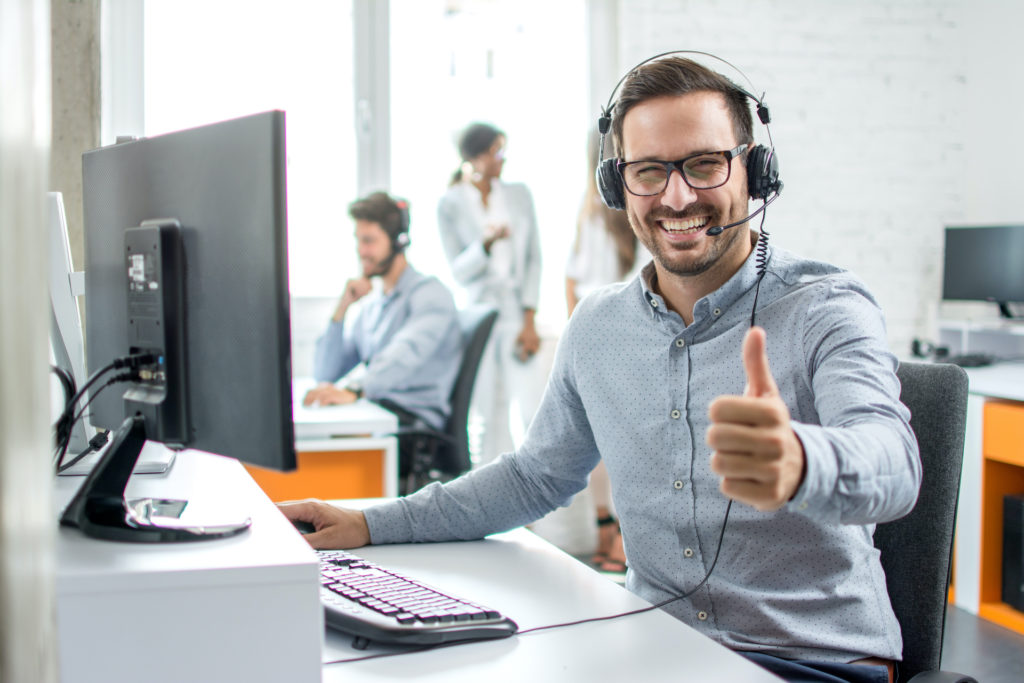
100	509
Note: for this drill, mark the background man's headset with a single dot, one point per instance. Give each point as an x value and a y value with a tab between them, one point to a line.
400	240
399	237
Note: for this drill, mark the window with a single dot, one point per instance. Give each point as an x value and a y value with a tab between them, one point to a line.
210	61
519	65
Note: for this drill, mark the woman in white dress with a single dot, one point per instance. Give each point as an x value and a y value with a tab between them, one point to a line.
489	232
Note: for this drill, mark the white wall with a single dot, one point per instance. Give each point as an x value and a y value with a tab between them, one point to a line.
882	111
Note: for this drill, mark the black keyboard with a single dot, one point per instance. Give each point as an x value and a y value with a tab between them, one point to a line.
971	360
375	604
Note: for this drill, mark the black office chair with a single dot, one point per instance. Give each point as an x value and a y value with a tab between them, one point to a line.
442	455
916	550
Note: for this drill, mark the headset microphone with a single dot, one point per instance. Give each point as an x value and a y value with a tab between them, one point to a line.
719	229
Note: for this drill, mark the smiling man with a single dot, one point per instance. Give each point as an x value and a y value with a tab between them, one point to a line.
794	426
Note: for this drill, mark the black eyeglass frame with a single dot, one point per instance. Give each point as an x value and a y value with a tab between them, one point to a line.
677	165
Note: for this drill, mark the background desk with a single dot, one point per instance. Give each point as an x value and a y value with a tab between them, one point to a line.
342	452
537	584
993	467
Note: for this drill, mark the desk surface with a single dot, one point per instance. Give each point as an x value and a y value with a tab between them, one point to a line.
537	584
999	380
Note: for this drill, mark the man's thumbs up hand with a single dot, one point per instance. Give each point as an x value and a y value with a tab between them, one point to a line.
755	450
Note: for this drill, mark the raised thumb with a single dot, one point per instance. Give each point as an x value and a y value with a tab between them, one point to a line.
755	362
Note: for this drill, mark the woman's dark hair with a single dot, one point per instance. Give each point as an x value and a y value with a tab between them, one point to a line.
474	140
379	208
674	76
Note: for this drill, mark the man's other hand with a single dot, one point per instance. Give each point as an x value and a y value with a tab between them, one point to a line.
755	450
327	394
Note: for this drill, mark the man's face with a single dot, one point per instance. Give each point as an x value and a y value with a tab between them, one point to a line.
374	247
672	225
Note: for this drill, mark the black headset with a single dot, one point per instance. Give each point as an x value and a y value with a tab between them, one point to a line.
401	240
762	163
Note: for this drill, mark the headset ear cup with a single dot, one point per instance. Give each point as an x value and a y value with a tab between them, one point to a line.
401	242
762	173
609	184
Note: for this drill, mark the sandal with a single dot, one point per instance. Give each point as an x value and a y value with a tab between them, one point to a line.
601	556
615	560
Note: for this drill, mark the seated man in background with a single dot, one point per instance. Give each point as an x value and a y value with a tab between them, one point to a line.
405	333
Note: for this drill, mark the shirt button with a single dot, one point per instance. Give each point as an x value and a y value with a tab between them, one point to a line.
654	303
702	615
675	414
803	505
688	552
678	484
680	343
717	311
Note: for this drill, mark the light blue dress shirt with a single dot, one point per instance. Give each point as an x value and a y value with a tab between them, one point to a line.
632	383
409	340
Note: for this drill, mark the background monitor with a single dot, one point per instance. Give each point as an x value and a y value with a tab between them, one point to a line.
186	259
985	264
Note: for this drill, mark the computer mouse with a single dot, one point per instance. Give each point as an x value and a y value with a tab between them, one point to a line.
303	527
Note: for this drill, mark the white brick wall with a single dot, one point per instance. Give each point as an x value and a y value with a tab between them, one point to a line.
872	124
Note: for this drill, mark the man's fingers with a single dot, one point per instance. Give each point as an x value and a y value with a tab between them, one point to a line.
755	362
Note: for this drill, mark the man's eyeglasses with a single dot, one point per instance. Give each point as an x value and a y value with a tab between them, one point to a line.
704	171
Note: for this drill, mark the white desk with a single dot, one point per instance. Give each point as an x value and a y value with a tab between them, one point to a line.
241	608
536	584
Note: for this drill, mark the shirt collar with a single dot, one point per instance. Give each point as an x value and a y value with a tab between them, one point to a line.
742	281
406	280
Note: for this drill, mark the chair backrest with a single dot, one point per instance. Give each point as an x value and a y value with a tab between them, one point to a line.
916	549
476	323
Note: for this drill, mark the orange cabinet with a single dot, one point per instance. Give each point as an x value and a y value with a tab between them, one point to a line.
1002	474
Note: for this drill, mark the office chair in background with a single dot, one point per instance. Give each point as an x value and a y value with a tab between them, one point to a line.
442	455
916	549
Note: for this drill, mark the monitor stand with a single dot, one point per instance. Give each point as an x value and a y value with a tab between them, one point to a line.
101	510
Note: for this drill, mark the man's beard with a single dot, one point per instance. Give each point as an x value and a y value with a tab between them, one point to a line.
667	256
379	268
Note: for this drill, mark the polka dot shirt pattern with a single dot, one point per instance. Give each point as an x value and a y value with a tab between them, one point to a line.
632	383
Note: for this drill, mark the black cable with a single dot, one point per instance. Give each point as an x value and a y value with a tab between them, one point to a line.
67	382
62	448
535	629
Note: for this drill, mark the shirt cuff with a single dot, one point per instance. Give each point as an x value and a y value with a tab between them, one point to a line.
388	523
815	495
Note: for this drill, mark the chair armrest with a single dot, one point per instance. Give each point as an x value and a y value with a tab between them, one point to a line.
942	677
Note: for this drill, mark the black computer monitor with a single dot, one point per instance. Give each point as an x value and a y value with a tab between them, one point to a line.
985	264
186	275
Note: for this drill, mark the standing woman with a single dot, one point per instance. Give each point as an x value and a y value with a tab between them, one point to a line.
489	232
